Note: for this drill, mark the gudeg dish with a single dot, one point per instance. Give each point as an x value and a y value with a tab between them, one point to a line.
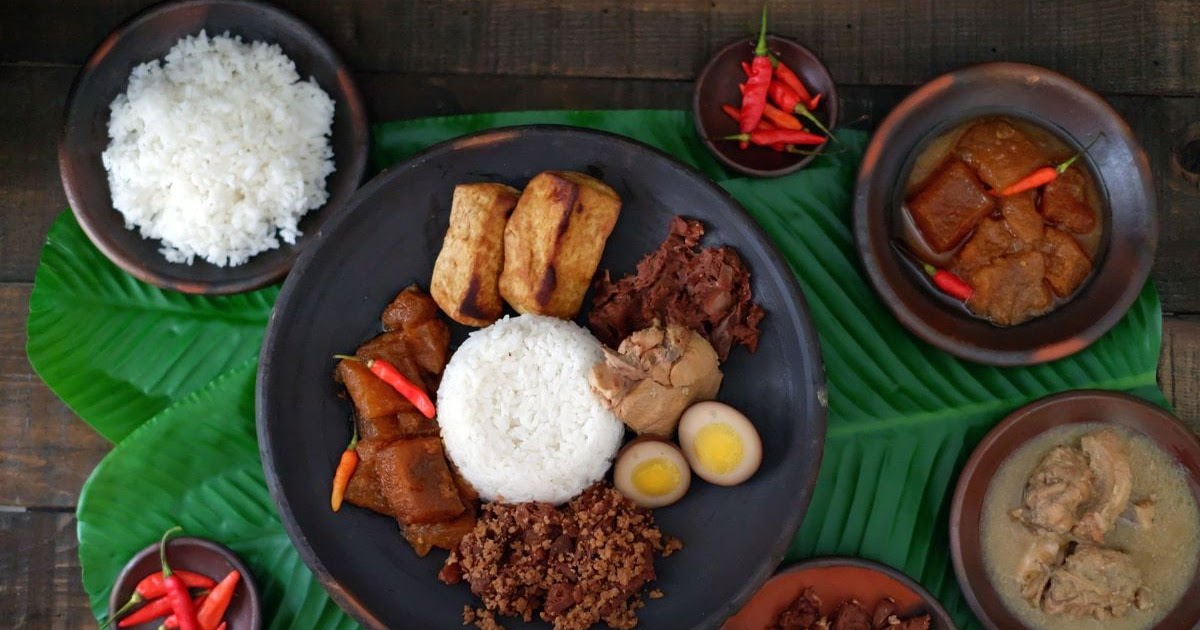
1049	100
354	545
1067	418
149	35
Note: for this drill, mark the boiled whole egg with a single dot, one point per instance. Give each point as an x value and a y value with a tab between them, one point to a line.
651	472
720	444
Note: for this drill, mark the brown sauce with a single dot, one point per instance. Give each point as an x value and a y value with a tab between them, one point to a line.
941	151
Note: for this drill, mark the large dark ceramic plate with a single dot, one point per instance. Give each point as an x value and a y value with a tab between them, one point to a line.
389	238
149	35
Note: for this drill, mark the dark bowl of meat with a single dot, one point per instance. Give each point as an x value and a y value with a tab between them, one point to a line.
1081	510
1006	214
841	594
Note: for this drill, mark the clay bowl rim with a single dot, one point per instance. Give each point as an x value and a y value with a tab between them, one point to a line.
1038	417
790	49
1066	109
126	581
941	618
150	267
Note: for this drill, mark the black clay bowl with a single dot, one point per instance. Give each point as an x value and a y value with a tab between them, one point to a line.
148	36
1025	424
1069	111
199	556
717	85
836	580
389	238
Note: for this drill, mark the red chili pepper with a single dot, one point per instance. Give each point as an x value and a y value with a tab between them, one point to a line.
787	100
345	469
754	100
1044	175
949	283
177	592
218	602
763	125
151	587
390	375
172	622
153	610
223	626
789	78
785	136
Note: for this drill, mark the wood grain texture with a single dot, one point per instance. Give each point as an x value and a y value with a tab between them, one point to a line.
46	452
40	582
1112	45
1179	368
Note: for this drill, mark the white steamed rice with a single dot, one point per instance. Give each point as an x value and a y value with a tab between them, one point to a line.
518	417
219	149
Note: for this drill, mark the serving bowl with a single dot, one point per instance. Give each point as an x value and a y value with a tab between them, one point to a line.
200	556
389	238
1074	114
1025	424
148	36
835	580
718	85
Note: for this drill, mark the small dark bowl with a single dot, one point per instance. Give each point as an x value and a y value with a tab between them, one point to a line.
718	85
1075	114
149	35
836	580
200	556
1027	423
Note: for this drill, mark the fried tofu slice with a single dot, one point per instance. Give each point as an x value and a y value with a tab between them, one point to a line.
1000	153
554	240
1010	290
1067	265
466	275
949	206
417	481
1064	203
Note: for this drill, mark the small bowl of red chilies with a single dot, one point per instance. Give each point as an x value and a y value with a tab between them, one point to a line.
765	105
220	589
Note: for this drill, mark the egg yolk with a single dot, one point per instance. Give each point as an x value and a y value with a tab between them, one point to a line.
718	448
655	477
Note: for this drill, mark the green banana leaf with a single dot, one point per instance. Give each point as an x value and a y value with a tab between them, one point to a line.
903	415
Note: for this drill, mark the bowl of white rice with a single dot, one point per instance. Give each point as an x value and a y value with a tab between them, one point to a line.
207	142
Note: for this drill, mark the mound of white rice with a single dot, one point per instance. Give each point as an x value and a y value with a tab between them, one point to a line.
219	149
518	416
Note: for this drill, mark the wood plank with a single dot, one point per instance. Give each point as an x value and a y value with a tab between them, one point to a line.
1179	367
46	452
1111	45
40	581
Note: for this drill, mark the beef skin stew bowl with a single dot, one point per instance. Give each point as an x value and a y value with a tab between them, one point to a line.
1050	269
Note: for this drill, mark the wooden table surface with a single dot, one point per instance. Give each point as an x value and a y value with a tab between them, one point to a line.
419	58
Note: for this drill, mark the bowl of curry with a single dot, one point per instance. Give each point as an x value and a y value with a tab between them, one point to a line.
1006	214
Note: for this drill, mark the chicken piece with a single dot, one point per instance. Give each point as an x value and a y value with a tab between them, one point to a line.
655	375
1000	153
1011	289
466	275
364	489
417	481
1064	202
1108	458
1095	582
553	242
801	614
1057	489
991	240
1021	215
850	616
1067	266
1045	553
948	207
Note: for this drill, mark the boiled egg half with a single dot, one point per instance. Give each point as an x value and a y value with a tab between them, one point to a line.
651	472
719	443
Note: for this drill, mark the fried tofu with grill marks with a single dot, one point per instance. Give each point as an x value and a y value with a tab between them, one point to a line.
554	240
466	275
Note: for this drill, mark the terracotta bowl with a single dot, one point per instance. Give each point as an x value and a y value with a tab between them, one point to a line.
200	556
149	35
718	85
1065	108
1025	424
835	581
